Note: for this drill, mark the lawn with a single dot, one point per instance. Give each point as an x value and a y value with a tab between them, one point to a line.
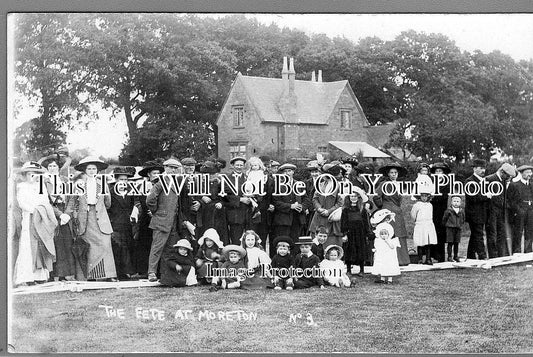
452	311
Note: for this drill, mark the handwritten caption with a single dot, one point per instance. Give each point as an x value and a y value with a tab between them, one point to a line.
141	313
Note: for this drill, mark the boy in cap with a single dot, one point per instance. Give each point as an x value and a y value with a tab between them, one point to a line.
308	264
282	261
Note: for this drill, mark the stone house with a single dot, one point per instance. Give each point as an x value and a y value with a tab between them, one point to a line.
291	119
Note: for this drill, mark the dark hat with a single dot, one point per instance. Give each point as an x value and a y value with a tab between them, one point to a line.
305	240
384	170
334	170
440	165
124	170
479	163
364	169
266	159
209	167
189	161
221	163
91	160
350	160
45	161
287	166
232	161
280	239
524	168
150	166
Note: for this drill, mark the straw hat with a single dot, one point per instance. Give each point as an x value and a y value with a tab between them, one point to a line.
334	246
384	170
380	215
184	243
32	166
233	247
91	160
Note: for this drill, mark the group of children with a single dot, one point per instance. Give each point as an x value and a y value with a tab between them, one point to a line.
313	263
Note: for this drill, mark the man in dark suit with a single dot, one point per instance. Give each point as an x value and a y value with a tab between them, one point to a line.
238	208
476	212
167	218
289	215
498	205
521	209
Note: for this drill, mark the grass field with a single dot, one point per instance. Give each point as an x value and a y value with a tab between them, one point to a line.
456	311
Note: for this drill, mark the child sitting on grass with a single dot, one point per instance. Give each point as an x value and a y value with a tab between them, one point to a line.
257	260
209	253
333	268
177	269
385	258
232	270
308	263
283	261
453	220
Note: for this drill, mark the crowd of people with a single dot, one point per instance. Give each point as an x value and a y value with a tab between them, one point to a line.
247	240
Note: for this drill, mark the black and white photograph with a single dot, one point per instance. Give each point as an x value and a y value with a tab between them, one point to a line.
269	182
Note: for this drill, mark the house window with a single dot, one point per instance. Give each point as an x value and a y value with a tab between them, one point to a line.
238	116
237	149
322	149
346	119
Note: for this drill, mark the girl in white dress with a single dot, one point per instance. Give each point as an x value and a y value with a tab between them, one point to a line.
333	268
424	233
385	258
256	259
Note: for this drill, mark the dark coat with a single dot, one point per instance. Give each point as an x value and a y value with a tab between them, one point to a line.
236	211
452	219
283	214
476	207
120	210
169	275
282	262
498	202
518	192
305	262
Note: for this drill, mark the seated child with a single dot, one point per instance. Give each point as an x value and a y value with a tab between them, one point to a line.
257	260
282	260
232	270
209	252
306	260
321	235
385	257
177	269
333	268
453	220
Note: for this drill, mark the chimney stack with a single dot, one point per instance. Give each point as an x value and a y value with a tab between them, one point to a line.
285	70
313	79
319	75
292	76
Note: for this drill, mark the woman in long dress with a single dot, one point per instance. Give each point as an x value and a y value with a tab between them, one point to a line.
393	203
65	265
36	250
94	227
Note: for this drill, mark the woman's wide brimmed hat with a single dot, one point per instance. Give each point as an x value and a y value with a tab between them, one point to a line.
333	169
350	160
136	176
380	215
524	168
440	165
233	248
364	169
212	234
384	170
91	160
32	166
183	243
334	246
361	193
150	166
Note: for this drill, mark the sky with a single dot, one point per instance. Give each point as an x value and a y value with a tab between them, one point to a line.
511	34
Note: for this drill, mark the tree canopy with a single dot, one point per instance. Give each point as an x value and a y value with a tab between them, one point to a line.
167	76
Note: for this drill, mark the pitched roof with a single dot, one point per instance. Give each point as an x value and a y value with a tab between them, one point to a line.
354	147
314	100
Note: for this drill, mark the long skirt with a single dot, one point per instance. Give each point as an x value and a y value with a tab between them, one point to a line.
27	268
355	249
101	263
65	264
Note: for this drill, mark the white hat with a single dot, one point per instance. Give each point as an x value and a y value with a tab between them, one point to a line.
212	234
384	226
91	160
184	243
380	215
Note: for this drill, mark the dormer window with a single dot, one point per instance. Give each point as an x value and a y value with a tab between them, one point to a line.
346	119
238	116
